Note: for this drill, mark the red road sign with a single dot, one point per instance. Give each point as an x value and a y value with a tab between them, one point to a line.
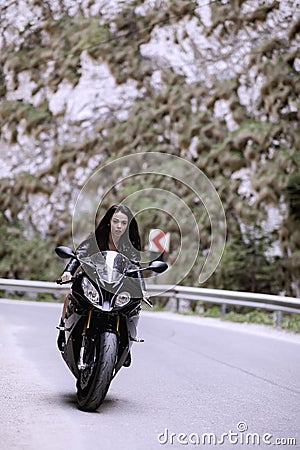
159	241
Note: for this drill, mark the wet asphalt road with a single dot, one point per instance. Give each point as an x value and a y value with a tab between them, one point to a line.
194	383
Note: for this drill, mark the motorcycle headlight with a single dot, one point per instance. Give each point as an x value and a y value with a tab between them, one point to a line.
89	290
122	299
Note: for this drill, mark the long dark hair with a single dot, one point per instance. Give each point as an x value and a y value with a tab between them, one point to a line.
130	238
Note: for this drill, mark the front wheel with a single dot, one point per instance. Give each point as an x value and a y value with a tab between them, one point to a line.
94	381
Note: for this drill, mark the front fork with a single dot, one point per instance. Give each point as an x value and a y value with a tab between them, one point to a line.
81	364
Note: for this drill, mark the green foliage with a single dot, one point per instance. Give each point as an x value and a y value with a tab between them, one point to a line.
289	322
246	265
44	297
26	257
36	118
213	311
293	195
60	41
254	316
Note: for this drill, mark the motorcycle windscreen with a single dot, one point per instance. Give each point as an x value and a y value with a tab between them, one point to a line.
108	266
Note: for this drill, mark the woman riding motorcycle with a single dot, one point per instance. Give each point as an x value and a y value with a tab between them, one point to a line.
117	231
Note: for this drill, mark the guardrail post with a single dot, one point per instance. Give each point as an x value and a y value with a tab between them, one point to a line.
223	309
177	300
278	318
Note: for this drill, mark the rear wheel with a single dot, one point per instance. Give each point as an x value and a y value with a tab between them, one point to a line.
94	381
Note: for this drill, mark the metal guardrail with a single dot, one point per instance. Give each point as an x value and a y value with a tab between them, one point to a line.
45	287
178	293
276	303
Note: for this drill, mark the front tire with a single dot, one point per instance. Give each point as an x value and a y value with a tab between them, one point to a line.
92	387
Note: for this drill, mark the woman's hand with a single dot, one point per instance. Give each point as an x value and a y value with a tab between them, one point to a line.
66	276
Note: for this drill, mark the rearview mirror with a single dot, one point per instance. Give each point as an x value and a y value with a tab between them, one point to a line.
65	252
158	266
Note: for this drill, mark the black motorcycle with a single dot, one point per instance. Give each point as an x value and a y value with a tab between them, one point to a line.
101	320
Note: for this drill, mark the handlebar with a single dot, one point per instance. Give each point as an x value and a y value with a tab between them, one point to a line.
59	281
